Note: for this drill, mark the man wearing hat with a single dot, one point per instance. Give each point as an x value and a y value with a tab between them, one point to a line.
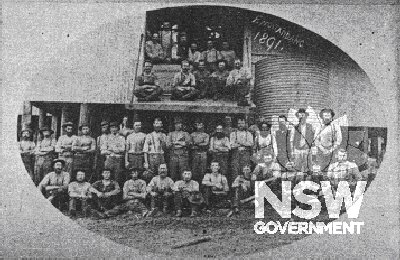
147	87
327	138
178	142
200	141
241	144
134	157
184	84
301	141
84	148
114	150
101	141
27	148
44	154
154	147
64	146
55	184
187	193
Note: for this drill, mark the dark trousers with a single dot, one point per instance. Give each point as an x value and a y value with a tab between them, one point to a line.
182	201
239	91
211	199
154	160
82	162
148	92
204	86
135	205
187	94
135	161
59	198
179	162
104	204
69	160
116	164
43	165
199	165
29	160
218	88
161	199
74	203
239	160
238	194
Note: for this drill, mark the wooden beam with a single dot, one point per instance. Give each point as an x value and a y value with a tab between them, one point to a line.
26	114
84	114
66	116
42	117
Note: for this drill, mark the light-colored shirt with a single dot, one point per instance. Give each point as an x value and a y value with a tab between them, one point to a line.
184	79
155	142
79	189
343	171
229	56
214	180
84	143
328	136
154	50
53	179
211	55
220	145
189	186
241	139
114	144
45	146
135	142
134	186
194	56
235	75
26	146
101	140
159	183
64	144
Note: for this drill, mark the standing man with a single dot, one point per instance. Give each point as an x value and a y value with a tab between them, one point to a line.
55	185
218	81
101	141
178	142
211	56
238	83
134	156
219	149
84	148
44	154
114	149
241	145
184	84
301	141
194	55
64	146
327	138
27	149
281	142
202	77
228	55
154	147
200	141
147	87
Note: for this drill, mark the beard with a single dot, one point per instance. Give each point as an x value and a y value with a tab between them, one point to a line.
327	121
219	135
282	127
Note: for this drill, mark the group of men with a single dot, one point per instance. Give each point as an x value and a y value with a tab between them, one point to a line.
202	169
200	78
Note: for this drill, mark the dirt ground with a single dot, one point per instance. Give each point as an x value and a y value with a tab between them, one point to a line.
233	236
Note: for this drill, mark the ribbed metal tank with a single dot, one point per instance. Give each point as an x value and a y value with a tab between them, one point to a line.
284	81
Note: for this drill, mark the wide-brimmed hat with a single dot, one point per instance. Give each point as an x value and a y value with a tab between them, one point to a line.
103	123
26	129
82	125
68	124
196	198
46	128
301	110
58	160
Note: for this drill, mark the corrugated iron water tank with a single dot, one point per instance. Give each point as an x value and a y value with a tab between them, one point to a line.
284	81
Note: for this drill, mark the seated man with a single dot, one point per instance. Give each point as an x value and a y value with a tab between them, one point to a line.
186	193
215	186
184	84
241	189
105	195
154	50
55	185
160	188
134	193
343	170
203	80
79	193
238	83
147	87
218	81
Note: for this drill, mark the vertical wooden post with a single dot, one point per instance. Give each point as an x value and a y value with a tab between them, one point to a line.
84	114
54	125
26	114
42	118
66	116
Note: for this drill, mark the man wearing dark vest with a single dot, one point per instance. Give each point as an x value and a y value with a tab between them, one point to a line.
184	84
147	88
200	142
241	144
301	140
84	148
281	142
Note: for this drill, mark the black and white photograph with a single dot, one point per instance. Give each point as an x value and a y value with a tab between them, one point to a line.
200	130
